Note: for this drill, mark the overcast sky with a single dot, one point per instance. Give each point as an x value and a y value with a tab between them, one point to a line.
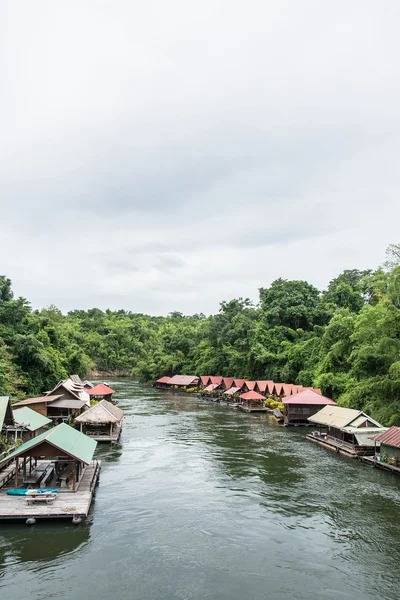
168	155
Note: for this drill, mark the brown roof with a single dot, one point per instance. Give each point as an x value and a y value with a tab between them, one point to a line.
38	400
308	397
68	403
391	437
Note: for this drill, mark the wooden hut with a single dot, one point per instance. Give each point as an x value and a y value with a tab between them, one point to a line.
71	389
28	423
227	383
299	407
249	385
58	457
204	381
239	383
101	422
345	430
6	414
253	402
389	445
87	385
182	381
65	409
162	383
262	387
38	404
101	391
278	390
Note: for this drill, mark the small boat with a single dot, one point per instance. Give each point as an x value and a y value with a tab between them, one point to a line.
29	492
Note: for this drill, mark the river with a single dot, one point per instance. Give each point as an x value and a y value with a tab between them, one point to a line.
203	502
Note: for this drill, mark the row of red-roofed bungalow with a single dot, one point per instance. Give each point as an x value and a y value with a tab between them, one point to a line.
299	402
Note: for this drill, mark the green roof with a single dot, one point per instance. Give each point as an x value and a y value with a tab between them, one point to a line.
65	438
5	411
31	419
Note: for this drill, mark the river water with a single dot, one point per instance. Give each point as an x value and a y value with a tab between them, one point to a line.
203	502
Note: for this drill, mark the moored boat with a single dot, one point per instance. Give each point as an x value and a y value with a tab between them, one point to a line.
29	492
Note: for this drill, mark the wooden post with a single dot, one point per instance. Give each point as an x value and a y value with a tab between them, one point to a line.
24	467
81	427
16	472
74	478
111	430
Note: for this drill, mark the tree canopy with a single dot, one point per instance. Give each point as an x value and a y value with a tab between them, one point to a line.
344	340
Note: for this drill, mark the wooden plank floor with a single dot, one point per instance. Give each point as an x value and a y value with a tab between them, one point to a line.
67	504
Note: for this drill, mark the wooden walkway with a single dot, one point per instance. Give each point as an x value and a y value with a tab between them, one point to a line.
67	505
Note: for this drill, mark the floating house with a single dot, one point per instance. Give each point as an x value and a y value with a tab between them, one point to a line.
265	387
65	409
239	383
60	460
212	387
232	392
227	383
249	385
101	422
345	430
28	423
204	381
101	391
6	414
71	389
163	382
253	402
182	381
39	404
299	407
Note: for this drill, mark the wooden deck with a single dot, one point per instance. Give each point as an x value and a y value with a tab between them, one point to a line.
375	462
250	409
99	437
67	505
339	446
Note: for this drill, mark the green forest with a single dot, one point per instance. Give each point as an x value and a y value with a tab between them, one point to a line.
344	340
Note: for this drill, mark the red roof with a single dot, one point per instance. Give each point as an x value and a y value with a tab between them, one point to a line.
287	389
279	388
391	437
263	385
270	387
205	379
228	382
100	390
232	391
252	395
308	397
217	380
250	384
183	380
238	383
211	387
163	379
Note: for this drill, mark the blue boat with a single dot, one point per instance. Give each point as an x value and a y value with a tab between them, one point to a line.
28	492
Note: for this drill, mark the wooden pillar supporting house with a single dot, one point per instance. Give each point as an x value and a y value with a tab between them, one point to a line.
16	472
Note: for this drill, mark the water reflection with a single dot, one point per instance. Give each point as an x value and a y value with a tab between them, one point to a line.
44	541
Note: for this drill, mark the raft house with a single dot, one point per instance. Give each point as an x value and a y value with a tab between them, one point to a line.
253	402
387	451
101	422
101	391
300	406
51	476
28	424
345	430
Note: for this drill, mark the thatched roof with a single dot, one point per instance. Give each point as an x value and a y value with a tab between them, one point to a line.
103	412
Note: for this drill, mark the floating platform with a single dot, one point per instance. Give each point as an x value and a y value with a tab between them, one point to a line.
333	444
375	462
251	409
67	505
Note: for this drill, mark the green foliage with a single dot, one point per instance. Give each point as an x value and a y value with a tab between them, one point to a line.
345	340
